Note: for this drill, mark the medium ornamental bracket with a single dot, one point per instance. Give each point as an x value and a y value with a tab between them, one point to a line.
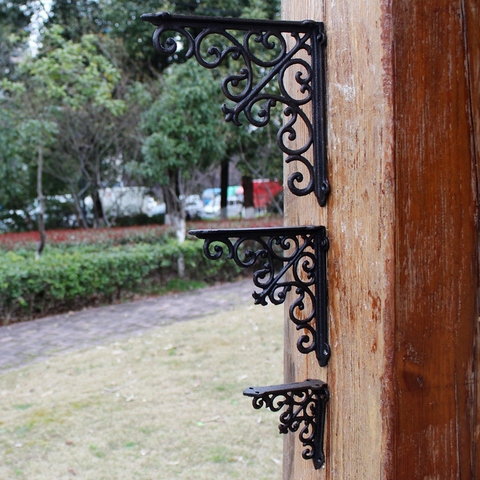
305	404
265	50
294	259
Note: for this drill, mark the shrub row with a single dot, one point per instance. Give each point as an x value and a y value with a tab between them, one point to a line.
66	279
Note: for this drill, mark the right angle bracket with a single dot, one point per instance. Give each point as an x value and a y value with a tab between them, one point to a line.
305	405
264	51
294	259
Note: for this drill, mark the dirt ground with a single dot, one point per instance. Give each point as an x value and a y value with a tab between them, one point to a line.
162	404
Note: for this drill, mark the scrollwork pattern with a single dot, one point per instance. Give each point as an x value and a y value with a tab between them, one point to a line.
305	404
287	260
292	45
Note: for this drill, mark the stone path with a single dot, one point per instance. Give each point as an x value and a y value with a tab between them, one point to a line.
28	342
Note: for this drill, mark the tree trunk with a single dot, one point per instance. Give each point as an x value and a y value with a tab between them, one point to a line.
248	200
403	135
80	211
41	204
99	220
175	210
224	171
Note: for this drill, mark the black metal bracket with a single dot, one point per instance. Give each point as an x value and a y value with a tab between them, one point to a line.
305	403
301	253
266	50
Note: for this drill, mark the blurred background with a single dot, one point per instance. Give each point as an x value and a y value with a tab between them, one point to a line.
97	129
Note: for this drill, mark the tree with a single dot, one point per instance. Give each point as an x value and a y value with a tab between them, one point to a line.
185	133
78	18
78	84
16	176
120	20
18	186
104	43
76	87
258	156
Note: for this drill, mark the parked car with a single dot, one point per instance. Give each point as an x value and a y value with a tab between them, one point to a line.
123	201
157	209
194	207
234	208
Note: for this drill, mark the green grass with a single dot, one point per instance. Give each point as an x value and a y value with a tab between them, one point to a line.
166	405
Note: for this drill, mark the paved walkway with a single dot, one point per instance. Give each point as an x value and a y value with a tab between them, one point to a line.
28	342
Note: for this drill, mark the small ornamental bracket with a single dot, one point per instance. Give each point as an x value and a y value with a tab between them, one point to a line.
264	51
305	403
294	259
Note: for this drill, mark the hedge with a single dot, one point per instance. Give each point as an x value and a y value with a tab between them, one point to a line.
67	279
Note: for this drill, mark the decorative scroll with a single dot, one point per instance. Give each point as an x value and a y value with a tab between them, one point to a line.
265	50
305	405
292	259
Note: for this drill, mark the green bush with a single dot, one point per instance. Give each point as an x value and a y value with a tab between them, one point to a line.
65	279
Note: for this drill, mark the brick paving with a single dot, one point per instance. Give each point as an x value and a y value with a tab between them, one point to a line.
36	340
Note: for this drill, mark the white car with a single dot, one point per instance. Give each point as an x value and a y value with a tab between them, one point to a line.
157	209
234	207
193	207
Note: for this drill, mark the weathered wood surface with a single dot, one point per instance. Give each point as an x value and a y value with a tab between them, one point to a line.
403	138
436	275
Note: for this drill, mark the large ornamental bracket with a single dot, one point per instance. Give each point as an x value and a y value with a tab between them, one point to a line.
264	50
292	259
305	406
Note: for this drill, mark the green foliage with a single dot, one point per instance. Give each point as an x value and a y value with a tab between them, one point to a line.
15	18
63	279
227	8
71	98
120	20
16	179
184	134
184	127
74	74
79	100
77	18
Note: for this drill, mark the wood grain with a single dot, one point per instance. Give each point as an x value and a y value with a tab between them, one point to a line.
403	136
472	22
436	272
360	171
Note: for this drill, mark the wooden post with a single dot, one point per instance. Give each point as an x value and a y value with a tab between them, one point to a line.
403	88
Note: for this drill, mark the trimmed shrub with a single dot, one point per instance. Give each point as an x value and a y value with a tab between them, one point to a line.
66	279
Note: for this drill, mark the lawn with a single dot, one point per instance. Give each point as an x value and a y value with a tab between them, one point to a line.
162	406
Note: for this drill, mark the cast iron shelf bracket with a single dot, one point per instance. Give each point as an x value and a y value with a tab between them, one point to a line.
266	49
305	403
301	253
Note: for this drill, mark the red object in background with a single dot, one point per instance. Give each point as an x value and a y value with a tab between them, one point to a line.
264	191
75	235
98	235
